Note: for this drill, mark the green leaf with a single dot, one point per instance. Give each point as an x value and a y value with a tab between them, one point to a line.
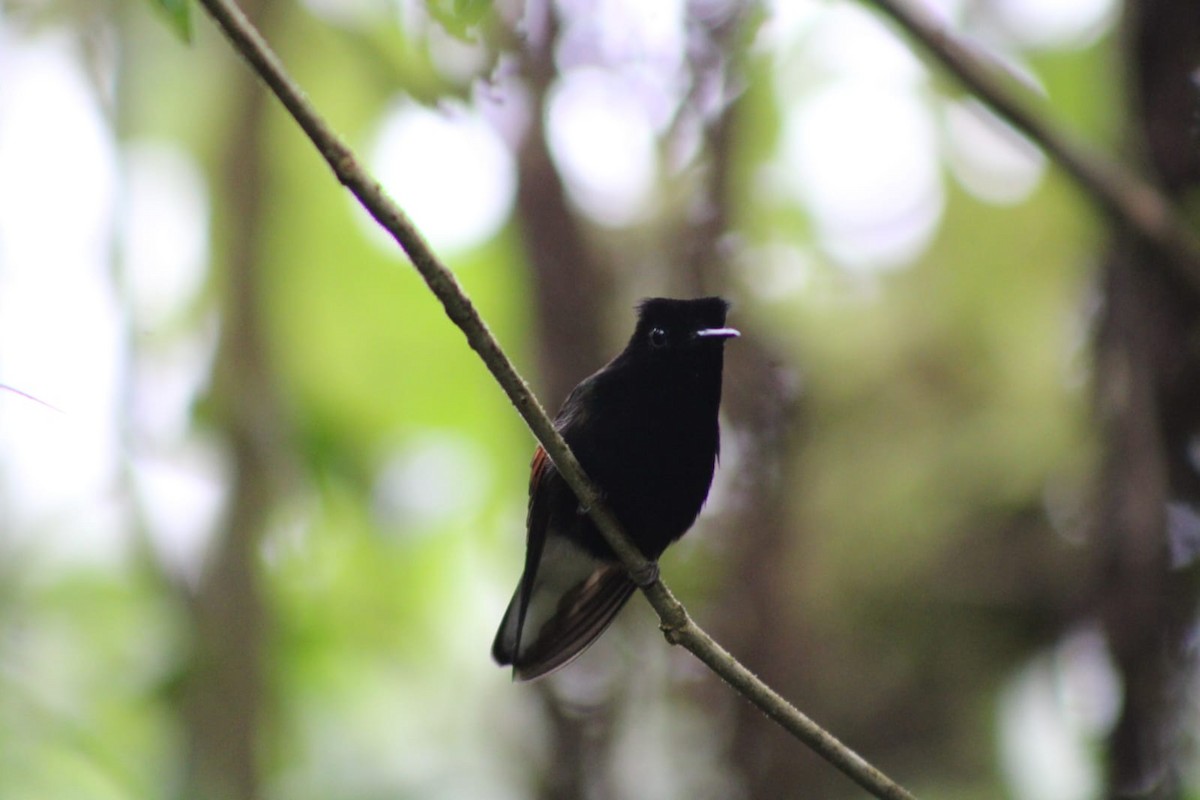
179	16
459	17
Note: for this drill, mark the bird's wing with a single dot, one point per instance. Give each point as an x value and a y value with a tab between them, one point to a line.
508	637
566	598
542	473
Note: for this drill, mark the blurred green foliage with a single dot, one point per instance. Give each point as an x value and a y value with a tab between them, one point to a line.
179	16
934	394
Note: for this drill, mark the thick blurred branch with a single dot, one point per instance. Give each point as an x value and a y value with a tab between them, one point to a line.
224	697
1115	189
677	625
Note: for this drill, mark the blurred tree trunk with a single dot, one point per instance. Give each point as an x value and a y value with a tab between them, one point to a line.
224	693
570	295
1148	398
570	290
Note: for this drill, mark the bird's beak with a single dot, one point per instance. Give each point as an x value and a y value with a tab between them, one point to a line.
717	333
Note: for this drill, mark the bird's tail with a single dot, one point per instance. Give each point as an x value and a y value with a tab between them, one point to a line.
559	625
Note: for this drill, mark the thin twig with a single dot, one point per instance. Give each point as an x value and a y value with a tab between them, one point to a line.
1115	189
677	625
6	388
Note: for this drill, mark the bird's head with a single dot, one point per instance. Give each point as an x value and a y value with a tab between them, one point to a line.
667	326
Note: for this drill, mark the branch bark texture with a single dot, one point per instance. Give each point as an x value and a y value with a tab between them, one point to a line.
676	624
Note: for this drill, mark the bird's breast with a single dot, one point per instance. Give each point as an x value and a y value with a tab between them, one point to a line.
658	484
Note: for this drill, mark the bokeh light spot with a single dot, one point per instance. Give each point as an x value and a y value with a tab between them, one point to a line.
448	170
1062	23
862	156
990	159
164	231
430	481
603	143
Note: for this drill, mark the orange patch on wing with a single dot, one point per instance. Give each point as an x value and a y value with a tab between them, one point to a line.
538	466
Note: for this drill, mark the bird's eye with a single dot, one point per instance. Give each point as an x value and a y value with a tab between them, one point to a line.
658	337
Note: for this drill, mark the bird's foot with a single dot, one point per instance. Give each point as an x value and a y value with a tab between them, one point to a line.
583	510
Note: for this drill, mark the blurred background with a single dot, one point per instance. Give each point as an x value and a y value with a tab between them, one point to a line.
261	508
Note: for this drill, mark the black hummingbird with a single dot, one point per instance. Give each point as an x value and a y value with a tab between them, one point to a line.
645	430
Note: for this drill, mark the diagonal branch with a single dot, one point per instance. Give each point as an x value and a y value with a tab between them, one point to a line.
677	625
1113	188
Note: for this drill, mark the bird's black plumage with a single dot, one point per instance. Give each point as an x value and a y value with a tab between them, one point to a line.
645	430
